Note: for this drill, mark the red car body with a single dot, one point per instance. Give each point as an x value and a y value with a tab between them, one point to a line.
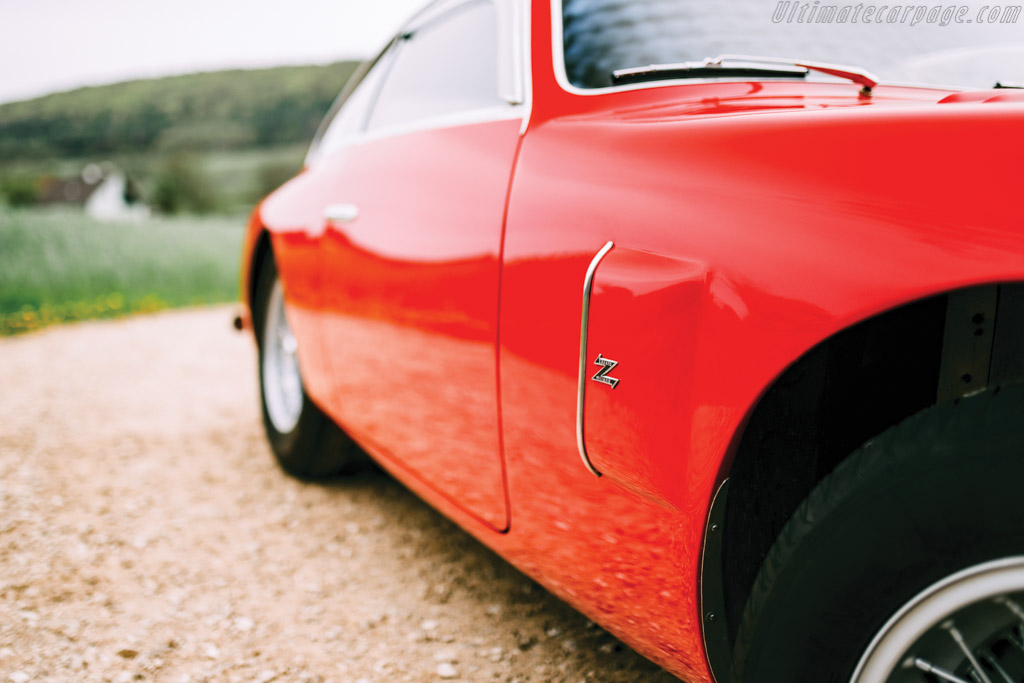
752	221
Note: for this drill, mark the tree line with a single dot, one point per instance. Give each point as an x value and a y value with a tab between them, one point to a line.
217	110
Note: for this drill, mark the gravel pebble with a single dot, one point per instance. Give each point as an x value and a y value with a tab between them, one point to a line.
143	513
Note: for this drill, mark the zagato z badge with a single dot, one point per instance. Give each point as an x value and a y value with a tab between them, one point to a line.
607	365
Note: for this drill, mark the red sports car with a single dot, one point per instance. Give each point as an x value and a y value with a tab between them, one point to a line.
718	344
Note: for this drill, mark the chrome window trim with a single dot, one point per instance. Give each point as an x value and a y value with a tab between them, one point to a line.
430	13
511	79
354	81
581	389
512	22
462	118
511	82
525	39
513	18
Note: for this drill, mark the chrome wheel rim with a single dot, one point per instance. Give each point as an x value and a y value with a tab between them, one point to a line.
966	628
282	383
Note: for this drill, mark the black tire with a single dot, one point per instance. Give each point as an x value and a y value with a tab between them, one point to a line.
316	447
933	495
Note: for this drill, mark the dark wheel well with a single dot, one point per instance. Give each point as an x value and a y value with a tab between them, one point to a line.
848	389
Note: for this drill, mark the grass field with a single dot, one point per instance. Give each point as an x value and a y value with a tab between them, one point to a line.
58	266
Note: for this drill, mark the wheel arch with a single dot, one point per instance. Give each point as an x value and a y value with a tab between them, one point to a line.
839	394
262	250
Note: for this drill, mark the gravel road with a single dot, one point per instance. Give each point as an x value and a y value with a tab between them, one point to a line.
146	534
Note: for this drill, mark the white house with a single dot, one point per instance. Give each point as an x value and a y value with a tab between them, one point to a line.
103	194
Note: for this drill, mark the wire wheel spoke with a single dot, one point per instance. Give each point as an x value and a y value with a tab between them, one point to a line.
966	628
282	383
961	643
937	671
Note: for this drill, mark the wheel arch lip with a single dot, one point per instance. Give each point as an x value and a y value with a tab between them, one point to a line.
838	326
841	324
717	647
255	246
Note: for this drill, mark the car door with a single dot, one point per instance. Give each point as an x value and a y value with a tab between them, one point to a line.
412	255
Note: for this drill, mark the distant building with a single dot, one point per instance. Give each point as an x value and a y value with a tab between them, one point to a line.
104	194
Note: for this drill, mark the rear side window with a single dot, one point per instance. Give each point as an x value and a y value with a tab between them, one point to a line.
348	117
446	66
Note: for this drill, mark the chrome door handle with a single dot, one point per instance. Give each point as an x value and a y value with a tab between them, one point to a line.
341	213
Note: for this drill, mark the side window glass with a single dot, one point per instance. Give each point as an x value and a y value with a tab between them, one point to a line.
446	66
351	118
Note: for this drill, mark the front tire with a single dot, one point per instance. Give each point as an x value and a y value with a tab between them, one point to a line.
306	443
932	502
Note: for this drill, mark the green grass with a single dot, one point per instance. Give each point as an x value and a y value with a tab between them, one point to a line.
59	265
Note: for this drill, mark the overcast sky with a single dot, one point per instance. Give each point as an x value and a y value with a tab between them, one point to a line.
52	45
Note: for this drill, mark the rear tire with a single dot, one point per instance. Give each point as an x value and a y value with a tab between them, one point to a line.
306	443
934	496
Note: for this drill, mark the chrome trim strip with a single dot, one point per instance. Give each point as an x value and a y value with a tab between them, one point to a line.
463	118
588	284
526	65
510	52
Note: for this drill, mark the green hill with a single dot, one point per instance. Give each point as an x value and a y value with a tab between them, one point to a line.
217	110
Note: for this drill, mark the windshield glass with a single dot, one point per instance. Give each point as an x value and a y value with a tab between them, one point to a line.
971	45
